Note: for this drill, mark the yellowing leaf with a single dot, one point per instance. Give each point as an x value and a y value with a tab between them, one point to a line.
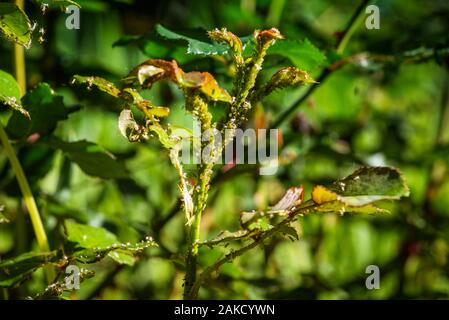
153	70
321	195
212	90
359	191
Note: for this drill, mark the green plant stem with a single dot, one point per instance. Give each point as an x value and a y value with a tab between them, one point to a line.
5	294
352	25
340	46
275	13
206	274
19	58
195	230
199	108
30	203
246	79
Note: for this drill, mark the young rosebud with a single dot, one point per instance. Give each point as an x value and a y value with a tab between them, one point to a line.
227	37
285	77
266	38
290	76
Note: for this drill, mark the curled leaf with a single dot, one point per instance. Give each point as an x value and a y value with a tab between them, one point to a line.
284	78
265	38
129	128
230	39
153	70
100	83
364	186
292	198
206	84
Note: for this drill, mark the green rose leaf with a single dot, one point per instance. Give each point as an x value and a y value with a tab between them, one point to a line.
45	109
91	158
14	24
303	54
10	93
360	190
14	271
91	244
100	83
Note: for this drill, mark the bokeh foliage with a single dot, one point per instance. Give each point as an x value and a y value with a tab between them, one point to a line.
387	106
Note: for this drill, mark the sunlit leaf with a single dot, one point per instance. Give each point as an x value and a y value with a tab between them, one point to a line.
364	186
194	46
163	137
100	83
212	90
153	70
10	93
14	24
159	112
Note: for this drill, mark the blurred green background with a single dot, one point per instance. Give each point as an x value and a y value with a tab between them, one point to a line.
369	112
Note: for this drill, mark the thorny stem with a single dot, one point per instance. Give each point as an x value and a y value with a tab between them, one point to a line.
199	108
206	274
246	79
